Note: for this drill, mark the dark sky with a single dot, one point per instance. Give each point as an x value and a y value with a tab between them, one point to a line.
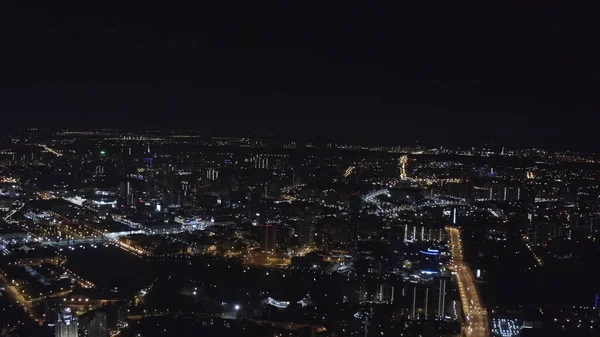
373	72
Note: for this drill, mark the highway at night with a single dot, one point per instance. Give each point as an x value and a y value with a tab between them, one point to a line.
476	317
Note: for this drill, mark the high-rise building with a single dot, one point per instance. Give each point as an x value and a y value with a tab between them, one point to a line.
261	161
442	298
66	324
99	170
354	207
429	298
116	316
284	236
268	238
307	230
97	326
384	293
212	174
125	190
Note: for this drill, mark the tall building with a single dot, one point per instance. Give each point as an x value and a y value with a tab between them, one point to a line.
284	237
268	238
307	230
212	174
428	300
261	161
99	170
184	193
125	190
116	316
98	326
66	324
354	208
442	298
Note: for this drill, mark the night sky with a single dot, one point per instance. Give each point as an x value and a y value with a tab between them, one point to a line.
452	74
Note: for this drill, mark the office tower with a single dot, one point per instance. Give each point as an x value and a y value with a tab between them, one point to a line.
268	238
97	326
66	324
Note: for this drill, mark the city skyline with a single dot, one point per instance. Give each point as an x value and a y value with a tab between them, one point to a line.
244	169
209	231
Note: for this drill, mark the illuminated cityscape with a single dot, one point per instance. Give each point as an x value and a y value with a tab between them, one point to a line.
299	169
455	242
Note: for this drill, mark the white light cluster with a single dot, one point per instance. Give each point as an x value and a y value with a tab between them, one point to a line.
505	327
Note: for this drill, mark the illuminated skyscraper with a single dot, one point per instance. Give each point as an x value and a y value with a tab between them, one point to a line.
403	163
66	324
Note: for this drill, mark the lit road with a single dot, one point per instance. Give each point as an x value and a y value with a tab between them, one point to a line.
54	152
476	317
16	296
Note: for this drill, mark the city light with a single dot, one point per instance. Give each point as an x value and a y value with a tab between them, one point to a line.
418	239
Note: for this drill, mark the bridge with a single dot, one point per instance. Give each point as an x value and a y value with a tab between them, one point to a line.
51	150
440	201
18	206
371	197
75	242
